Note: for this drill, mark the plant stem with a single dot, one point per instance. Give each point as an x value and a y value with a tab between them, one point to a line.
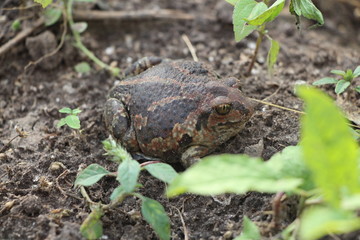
78	43
258	44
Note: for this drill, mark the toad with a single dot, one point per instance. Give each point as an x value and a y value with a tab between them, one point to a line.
175	111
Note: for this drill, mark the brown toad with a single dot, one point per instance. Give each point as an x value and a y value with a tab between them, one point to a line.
175	111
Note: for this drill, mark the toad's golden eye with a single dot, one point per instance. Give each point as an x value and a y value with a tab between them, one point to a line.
223	109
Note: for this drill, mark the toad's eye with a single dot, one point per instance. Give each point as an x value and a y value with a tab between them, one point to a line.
223	109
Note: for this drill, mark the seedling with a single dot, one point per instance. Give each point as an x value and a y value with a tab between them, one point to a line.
341	84
52	15
71	120
250	15
322	169
127	176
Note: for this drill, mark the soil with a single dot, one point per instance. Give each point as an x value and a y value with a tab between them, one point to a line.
37	195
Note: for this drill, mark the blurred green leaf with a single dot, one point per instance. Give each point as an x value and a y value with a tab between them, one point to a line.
341	86
268	15
128	173
65	110
91	175
338	72
243	9
61	123
317	222
75	111
154	213
80	27
250	231
326	80
357	89
231	173
82	67
52	15
92	228
232	2
307	9
44	3
16	25
272	55
162	171
118	191
356	72
330	150
73	121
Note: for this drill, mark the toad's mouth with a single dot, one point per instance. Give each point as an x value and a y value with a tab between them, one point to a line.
231	124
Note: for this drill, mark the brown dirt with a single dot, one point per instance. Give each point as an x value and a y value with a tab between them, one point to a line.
44	203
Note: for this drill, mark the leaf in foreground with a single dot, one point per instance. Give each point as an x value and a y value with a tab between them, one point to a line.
307	9
51	16
229	173
92	228
91	175
82	67
128	173
341	86
162	171
268	15
330	150
44	3
154	213
250	231
73	121
327	220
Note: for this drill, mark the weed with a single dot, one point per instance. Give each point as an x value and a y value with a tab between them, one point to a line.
71	120
322	169
342	84
63	8
250	15
127	176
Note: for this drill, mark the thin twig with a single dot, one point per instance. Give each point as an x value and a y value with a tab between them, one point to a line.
57	182
63	35
186	234
190	46
137	15
20	36
19	8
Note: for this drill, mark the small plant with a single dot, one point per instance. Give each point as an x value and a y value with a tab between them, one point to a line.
52	15
71	120
127	176
323	170
342	84
250	15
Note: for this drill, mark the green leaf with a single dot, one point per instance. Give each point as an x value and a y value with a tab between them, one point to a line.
338	72
351	202
16	25
75	111
82	67
117	193
307	9
357	89
232	2
91	175
52	15
341	86
243	9
268	15
65	110
80	27
128	173
92	228
250	231
116	150
239	174
73	121
162	171
356	72
330	150
317	222
44	3
154	213
272	55
348	75
326	80
289	163
61	123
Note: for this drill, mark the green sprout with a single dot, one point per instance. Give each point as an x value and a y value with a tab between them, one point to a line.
251	15
72	120
343	83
